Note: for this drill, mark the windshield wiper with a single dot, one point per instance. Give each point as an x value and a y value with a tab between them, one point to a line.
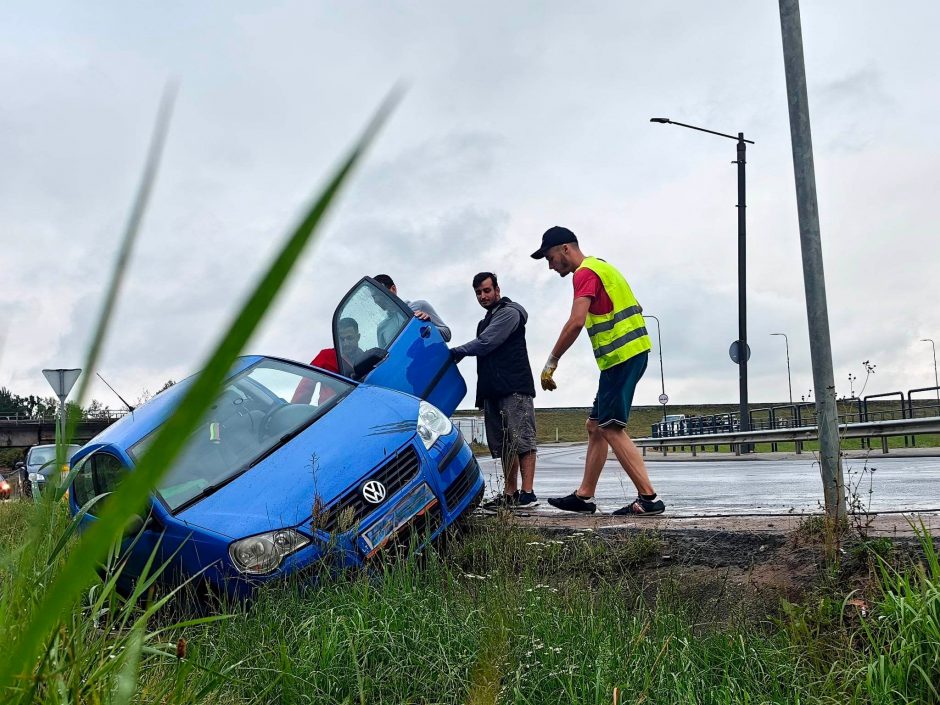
203	493
280	444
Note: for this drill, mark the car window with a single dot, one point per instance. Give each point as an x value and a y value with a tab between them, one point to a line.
369	317
40	455
255	412
107	472
83	488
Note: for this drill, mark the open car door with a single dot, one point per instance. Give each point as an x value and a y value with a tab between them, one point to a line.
378	340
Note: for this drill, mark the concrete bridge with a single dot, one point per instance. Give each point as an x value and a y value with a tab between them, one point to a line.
24	433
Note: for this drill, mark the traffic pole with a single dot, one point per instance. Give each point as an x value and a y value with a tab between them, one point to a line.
814	280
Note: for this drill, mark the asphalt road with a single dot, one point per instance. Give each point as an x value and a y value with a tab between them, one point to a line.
740	487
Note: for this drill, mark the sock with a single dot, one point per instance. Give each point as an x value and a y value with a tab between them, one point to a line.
648	497
586	499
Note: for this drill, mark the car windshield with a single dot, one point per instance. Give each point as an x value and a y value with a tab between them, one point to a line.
256	412
46	454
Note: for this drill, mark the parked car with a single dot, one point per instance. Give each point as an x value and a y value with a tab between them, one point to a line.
40	464
294	464
671	425
6	490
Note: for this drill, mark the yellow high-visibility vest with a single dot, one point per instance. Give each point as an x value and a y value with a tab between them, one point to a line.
621	334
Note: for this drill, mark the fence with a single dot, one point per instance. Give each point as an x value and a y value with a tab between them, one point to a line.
472	428
872	407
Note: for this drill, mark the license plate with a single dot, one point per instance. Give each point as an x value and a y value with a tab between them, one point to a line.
408	507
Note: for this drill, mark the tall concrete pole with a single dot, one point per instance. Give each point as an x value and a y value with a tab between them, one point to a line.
814	280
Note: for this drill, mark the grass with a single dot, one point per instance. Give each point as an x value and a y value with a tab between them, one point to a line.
506	614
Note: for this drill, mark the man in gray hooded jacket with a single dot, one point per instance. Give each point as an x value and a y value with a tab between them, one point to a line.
505	390
422	310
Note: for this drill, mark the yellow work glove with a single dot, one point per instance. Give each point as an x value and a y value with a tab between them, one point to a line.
548	384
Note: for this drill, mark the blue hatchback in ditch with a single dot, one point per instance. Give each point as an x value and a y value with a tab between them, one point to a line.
294	464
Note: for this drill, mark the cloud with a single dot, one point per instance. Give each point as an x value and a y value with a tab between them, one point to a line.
518	117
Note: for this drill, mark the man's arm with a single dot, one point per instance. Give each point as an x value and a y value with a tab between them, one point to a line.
572	327
569	333
426	312
503	323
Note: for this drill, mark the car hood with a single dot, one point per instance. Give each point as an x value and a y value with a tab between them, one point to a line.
336	452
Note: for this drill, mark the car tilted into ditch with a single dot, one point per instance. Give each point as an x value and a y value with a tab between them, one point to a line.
294	465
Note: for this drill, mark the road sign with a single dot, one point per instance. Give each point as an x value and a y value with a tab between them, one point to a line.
62	381
663	398
733	351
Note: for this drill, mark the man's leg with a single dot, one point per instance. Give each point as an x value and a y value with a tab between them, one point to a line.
581	500
630	457
527	466
497	442
519	412
510	463
594	459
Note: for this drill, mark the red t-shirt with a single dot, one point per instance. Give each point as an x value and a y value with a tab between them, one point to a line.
587	283
325	360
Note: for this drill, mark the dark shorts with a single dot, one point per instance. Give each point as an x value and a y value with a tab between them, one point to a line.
615	391
510	425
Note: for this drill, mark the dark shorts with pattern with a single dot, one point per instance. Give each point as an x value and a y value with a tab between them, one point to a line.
615	391
510	425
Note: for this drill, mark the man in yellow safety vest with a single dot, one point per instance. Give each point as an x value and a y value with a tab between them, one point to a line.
606	306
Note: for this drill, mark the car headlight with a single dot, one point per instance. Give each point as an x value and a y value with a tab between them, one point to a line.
263	553
432	423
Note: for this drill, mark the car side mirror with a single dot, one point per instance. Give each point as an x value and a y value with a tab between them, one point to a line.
370	358
19	465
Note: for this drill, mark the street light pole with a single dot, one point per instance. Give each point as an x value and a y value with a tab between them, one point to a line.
787	343
662	376
742	348
936	383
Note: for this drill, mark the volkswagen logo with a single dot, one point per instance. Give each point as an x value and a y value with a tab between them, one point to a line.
373	492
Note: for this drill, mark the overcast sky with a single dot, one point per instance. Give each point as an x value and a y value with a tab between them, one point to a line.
518	116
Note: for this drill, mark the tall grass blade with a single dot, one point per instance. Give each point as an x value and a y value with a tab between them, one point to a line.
128	240
127	676
46	514
132	493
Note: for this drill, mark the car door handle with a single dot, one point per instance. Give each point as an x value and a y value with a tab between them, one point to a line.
425	331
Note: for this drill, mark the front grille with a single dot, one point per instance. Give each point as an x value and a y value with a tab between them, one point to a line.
351	509
462	484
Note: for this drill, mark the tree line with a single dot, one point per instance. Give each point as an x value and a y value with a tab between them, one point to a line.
36	407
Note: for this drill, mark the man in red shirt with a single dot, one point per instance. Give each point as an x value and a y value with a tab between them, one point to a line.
603	300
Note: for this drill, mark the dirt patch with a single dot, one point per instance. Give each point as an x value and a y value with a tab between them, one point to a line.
746	566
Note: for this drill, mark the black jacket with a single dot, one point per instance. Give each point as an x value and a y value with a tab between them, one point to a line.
506	369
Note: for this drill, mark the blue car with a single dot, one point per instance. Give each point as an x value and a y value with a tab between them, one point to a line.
294	464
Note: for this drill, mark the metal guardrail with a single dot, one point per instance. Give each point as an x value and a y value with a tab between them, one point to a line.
797	435
803	414
102	415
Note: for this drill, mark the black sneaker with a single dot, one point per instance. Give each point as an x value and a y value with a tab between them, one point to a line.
573	503
500	501
526	500
642	508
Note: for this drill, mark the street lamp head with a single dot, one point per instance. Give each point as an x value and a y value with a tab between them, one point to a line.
664	121
926	340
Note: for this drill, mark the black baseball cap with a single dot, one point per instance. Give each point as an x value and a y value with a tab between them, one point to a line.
554	236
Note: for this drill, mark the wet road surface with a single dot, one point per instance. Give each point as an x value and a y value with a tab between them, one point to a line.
738	487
